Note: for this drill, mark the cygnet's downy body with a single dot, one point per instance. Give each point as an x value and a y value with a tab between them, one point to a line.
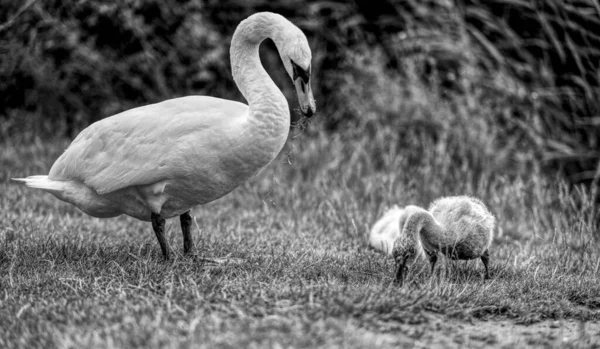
460	227
386	230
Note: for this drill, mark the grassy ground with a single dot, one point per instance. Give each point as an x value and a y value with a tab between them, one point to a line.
301	274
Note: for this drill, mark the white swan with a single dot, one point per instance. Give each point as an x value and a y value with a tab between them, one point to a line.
160	160
460	227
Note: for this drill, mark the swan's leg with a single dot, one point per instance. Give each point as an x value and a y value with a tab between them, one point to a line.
188	242
432	260
485	258
158	224
186	223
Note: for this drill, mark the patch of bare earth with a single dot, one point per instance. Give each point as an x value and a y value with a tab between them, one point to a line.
440	332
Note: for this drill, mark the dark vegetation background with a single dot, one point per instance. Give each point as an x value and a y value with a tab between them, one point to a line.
514	84
416	99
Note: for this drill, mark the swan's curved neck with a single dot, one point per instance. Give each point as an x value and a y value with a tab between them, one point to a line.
268	105
422	226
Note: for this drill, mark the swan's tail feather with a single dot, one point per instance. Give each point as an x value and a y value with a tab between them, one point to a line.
42	182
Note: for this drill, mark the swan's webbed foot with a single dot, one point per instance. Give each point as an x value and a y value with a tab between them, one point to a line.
485	258
186	223
158	224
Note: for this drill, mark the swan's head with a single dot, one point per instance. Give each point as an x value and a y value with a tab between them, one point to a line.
296	56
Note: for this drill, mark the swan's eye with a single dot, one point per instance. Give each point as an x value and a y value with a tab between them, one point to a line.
300	73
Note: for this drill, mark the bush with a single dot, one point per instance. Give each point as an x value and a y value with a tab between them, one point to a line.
523	74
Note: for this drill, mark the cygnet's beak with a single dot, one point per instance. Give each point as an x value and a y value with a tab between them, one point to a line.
401	270
305	97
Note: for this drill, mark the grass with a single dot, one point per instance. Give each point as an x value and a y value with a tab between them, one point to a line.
307	277
461	101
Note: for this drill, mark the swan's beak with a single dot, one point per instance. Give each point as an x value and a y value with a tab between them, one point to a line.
305	97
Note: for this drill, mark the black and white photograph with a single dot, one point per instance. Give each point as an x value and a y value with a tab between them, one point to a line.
299	174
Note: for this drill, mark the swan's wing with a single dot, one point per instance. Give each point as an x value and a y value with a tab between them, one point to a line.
143	145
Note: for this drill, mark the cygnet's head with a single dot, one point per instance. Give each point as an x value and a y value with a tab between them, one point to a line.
404	254
406	248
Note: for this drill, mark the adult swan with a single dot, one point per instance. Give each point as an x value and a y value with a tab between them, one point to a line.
158	161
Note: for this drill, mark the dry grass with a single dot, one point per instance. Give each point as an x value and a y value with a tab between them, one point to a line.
455	100
308	278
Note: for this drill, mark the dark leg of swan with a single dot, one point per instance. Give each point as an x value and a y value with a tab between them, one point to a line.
186	223
485	258
432	260
158	224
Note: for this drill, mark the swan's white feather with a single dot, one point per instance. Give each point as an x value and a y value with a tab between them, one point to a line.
41	182
165	157
153	143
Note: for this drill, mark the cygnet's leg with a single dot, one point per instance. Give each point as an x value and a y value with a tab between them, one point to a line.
186	223
485	258
158	224
432	259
